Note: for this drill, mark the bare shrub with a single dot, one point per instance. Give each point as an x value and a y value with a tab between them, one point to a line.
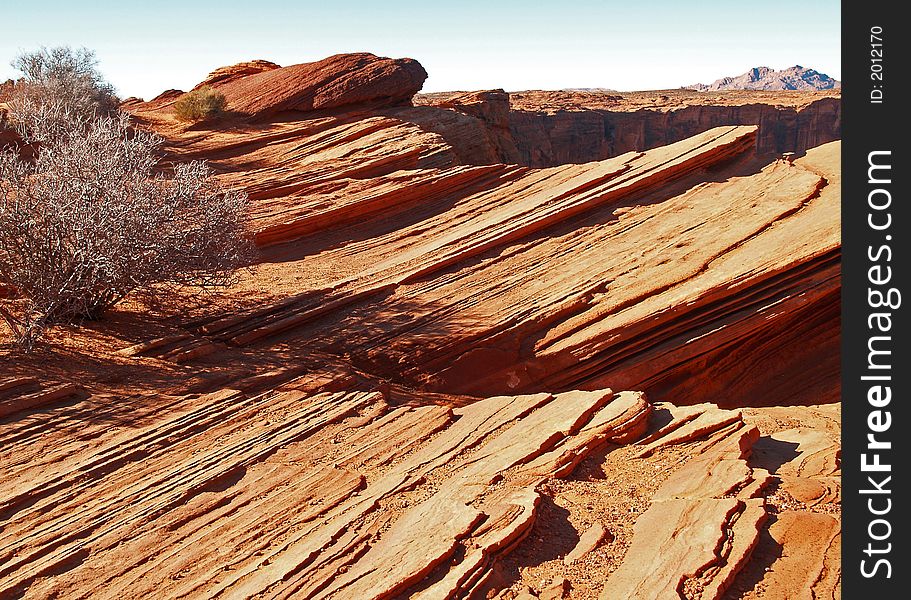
62	75
92	218
200	104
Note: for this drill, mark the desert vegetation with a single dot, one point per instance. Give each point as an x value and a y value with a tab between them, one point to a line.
88	210
62	76
200	104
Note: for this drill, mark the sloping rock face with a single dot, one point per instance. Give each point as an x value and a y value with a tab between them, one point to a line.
491	106
411	395
626	270
305	491
794	78
475	124
343	80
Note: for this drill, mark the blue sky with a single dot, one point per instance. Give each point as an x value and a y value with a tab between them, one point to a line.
464	45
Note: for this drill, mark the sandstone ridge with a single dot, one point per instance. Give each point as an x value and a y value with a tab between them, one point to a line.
260	88
415	392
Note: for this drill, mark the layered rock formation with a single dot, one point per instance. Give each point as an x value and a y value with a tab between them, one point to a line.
260	88
638	241
410	396
546	139
305	492
224	75
553	128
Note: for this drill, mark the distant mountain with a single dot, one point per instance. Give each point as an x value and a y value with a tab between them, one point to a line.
763	78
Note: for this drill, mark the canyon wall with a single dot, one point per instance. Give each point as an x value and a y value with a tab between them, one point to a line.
548	139
578	128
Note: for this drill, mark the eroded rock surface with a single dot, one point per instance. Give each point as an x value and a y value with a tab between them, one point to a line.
548	128
360	79
289	493
675	270
410	396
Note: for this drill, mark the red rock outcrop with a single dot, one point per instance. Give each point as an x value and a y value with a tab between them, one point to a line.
8	136
163	100
305	492
712	501
223	75
343	80
700	298
410	395
327	495
491	106
6	89
475	124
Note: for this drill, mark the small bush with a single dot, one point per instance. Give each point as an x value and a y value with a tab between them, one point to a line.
91	218
200	105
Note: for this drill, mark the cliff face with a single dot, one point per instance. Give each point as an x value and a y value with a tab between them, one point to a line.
579	127
580	136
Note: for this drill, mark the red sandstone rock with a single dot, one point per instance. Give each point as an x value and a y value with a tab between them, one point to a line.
22	394
491	106
162	100
803	554
6	89
557	127
9	138
309	178
677	270
250	482
588	541
702	524
223	75
343	80
557	590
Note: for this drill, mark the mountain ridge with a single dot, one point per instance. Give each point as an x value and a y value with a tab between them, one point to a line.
796	78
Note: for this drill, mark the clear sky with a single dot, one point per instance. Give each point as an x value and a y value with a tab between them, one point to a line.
463	44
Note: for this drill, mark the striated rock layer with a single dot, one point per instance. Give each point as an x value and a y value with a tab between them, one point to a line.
291	493
261	88
410	395
305	492
548	128
678	270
